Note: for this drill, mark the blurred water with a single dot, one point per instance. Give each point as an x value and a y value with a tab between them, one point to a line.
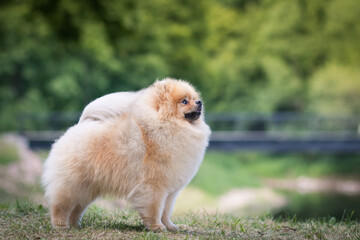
318	205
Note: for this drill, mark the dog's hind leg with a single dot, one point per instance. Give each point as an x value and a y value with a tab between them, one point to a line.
60	213
76	214
62	203
82	201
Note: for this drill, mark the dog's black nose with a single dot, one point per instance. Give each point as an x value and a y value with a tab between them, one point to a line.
199	103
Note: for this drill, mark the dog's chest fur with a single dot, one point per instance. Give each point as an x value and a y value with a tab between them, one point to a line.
173	155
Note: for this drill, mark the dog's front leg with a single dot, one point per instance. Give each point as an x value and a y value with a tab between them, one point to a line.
168	208
149	201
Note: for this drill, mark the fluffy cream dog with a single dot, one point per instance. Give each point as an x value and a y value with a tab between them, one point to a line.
145	146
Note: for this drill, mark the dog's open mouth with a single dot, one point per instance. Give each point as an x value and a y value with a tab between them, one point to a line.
192	116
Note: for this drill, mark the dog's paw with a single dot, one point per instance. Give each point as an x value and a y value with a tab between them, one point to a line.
183	227
172	227
60	225
157	228
75	225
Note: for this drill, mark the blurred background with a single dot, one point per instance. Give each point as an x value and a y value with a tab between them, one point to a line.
280	80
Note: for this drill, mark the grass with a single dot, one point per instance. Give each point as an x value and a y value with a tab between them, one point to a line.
8	153
29	221
221	172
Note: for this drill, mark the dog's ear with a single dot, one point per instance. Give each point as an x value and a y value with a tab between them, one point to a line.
159	89
162	87
163	91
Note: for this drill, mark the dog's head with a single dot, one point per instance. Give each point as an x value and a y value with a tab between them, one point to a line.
177	98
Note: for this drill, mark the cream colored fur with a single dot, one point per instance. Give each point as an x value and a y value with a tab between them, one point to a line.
140	147
109	106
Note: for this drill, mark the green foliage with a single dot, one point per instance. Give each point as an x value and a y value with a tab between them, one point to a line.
335	90
262	56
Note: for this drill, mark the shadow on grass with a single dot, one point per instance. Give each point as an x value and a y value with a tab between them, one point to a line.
103	223
114	226
140	229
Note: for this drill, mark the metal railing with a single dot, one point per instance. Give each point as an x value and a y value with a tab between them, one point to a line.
233	131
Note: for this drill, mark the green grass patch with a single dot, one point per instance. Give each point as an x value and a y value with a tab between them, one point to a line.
295	165
29	221
222	171
8	153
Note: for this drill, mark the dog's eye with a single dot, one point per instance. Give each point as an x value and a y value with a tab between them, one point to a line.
185	101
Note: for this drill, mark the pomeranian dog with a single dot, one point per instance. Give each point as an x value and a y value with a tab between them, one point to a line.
144	146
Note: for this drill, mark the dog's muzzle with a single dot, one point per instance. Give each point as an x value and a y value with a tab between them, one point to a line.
192	116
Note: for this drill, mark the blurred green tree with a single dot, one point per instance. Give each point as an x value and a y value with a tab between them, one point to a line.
334	90
264	56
